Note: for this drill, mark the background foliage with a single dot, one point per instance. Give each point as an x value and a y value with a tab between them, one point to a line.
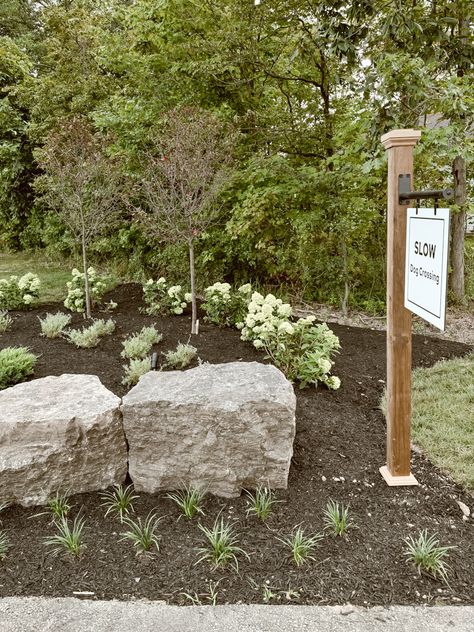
310	86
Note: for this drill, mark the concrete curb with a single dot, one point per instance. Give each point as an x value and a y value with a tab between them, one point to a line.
36	614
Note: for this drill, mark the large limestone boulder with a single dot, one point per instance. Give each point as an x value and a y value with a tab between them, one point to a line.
59	433
220	427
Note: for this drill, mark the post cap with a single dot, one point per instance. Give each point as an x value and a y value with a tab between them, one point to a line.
401	138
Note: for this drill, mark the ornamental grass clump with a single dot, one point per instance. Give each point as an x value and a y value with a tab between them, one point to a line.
5	322
161	299
16	364
181	357
225	306
134	370
336	518
52	325
4	544
189	501
260	503
90	336
143	535
301	546
119	501
19	292
428	556
76	294
222	545
139	345
68	539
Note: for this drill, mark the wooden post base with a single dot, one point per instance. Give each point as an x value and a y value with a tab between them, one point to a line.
397	481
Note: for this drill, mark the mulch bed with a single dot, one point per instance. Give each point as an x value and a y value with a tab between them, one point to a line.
339	446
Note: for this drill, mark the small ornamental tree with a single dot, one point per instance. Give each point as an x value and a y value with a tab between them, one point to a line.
185	169
81	183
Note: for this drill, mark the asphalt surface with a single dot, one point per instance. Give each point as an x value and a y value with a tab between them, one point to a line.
35	614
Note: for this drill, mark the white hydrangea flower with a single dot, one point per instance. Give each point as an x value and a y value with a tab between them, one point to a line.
188	297
325	365
333	382
27	299
286	328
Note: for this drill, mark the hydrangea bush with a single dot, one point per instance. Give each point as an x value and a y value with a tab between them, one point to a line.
76	297
160	298
264	316
19	292
225	306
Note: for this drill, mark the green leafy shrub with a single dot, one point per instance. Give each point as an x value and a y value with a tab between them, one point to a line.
5	321
264	316
76	298
225	306
19	292
160	298
139	345
181	357
134	370
90	336
16	364
303	351
52	325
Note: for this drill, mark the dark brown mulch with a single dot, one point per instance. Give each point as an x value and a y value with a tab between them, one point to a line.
339	447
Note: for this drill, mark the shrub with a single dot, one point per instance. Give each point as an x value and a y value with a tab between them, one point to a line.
17	293
303	351
139	345
264	316
16	363
160	298
76	299
90	336
225	306
52	325
428	556
181	357
5	322
135	370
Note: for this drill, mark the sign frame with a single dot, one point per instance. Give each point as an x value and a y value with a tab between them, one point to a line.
427	243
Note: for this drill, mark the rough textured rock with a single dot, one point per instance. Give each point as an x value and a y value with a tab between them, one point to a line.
59	433
220	427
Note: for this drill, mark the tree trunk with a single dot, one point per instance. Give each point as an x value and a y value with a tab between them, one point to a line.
86	280
458	223
193	287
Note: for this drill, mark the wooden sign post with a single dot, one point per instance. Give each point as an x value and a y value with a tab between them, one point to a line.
399	145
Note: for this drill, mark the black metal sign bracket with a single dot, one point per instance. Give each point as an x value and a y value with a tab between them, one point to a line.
405	195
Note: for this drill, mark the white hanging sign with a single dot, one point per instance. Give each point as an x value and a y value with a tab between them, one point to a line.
426	263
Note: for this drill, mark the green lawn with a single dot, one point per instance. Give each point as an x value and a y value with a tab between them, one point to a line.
443	416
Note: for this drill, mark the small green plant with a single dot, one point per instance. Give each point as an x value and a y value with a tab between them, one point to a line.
261	502
143	535
16	364
19	292
209	598
428	556
160	298
222	545
76	299
4	505
139	345
52	325
5	321
57	507
336	518
90	336
68	539
300	545
4	544
119	500
189	501
135	370
225	306
181	357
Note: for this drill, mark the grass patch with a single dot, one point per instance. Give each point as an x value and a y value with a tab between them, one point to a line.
443	397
